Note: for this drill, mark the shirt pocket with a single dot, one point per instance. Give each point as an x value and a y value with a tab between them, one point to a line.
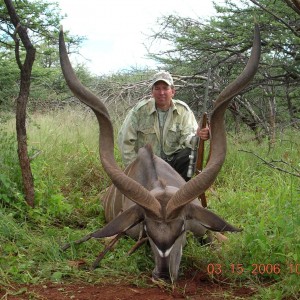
173	136
146	135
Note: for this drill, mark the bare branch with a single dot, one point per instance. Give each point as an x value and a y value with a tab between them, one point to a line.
276	17
294	4
17	47
272	164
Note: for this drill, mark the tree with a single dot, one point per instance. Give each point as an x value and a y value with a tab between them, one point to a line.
26	69
42	20
293	4
222	44
31	22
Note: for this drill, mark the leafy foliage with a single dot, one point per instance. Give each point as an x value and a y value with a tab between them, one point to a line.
42	19
222	44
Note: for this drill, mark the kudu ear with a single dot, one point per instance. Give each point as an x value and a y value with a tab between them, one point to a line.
208	219
121	223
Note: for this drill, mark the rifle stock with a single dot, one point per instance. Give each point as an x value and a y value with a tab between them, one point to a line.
200	156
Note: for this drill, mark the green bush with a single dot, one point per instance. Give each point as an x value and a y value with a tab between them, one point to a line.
10	176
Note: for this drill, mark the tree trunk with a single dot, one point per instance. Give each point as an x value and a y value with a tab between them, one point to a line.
22	100
24	160
251	120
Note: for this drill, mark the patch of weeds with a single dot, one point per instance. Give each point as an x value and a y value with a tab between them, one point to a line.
10	176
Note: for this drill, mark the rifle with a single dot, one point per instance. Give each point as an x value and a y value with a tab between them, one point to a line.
197	156
198	147
200	158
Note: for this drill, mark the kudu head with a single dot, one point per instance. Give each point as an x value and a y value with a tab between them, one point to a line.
164	211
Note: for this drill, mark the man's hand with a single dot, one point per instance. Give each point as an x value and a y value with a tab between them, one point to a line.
203	133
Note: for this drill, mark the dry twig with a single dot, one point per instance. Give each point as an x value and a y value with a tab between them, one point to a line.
295	172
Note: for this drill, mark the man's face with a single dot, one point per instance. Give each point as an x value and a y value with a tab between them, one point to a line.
163	94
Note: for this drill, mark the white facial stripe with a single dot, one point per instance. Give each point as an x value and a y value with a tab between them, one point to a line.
165	253
168	251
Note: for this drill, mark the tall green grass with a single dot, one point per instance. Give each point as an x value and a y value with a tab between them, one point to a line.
265	203
68	183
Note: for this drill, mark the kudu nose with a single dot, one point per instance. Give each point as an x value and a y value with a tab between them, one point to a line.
160	275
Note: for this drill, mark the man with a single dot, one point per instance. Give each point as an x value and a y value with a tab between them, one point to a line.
163	122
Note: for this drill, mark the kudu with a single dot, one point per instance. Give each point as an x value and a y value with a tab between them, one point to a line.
150	199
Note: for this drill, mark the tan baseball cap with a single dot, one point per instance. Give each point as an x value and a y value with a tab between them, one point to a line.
162	76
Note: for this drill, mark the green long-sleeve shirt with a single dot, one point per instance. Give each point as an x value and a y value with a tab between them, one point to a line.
141	127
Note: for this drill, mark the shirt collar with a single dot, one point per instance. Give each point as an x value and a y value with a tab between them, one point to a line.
153	108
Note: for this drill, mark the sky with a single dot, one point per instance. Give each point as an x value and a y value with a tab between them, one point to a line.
116	30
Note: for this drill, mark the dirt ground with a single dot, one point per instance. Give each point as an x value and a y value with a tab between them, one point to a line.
199	287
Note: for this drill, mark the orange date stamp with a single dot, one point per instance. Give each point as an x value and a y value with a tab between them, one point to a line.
255	269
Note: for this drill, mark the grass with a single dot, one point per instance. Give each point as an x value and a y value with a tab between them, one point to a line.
265	203
68	181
